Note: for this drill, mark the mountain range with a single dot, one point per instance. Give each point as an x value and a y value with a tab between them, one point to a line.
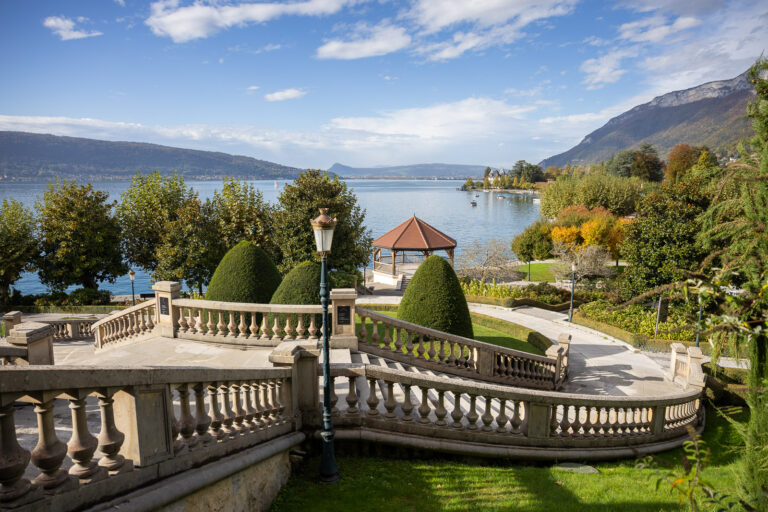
409	171
711	114
33	157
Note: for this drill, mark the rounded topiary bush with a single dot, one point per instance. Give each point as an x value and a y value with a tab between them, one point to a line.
244	274
300	286
434	299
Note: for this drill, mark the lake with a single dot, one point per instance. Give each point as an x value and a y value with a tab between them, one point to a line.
387	204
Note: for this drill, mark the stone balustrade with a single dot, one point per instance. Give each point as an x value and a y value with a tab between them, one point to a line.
685	366
265	325
71	329
28	343
131	323
434	407
154	422
436	350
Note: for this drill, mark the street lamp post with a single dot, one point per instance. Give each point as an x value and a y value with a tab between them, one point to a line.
698	323
323	227
132	275
573	289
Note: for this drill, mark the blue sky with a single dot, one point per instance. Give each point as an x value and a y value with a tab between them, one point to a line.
361	82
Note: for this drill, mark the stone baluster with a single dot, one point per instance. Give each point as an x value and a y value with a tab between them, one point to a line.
502	418
236	395
424	408
269	412
215	412
456	413
192	321
472	415
82	444
487	417
398	341
277	407
202	420
440	410
15	489
516	420
221	327
258	416
408	342
202	326
300	330
178	442
187	422
211	324
312	327
232	326
248	406
373	400
182	320
576	423
228	414
450	357
254	328
265	335
49	452
276	328
334	397
387	338
554	424
288	328
143	323
375	332
390	403
241	327
110	438
352	398
407	406
432	352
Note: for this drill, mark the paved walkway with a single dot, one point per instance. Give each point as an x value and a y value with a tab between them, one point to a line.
599	364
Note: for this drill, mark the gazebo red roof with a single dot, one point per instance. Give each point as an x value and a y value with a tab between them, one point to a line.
415	235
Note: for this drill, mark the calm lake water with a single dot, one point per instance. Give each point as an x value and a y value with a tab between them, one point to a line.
387	204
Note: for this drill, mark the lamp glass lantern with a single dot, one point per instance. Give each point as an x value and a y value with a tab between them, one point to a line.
132	277
323	227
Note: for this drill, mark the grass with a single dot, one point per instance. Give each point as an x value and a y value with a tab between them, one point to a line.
540	272
494	333
377	484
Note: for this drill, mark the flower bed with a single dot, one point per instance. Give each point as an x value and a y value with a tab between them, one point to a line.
640	319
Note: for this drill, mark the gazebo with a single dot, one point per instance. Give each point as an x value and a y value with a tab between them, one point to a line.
413	235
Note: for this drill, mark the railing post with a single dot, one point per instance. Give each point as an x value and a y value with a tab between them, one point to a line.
659	416
11	319
343	311
677	354
36	338
143	414
486	360
167	316
695	376
304	393
539	420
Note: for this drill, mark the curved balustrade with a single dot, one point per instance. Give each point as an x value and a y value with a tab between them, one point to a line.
125	324
187	416
73	329
472	412
456	355
243	323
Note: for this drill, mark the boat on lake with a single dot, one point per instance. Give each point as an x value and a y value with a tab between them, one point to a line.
473	203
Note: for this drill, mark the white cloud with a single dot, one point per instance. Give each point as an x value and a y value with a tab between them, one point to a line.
285	94
121	3
205	18
251	89
596	41
681	7
65	28
655	29
523	92
366	42
605	69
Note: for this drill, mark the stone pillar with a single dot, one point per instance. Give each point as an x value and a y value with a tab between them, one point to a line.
11	319
677	354
486	361
539	420
166	316
144	415
36	338
695	377
343	311
304	392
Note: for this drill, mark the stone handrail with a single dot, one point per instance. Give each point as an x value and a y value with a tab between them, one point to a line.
133	322
245	323
155	422
410	403
685	366
424	347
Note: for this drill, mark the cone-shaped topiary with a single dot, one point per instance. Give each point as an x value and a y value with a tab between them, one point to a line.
434	299
300	286
244	274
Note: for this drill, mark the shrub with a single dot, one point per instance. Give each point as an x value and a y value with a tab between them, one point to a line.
89	297
434	299
244	274
300	286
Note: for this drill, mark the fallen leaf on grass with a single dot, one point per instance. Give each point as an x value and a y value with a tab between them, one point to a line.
439	486
558	483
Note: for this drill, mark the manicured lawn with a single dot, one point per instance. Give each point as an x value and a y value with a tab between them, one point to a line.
378	484
482	333
540	272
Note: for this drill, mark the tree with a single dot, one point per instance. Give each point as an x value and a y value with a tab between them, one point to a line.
647	165
680	160
299	204
434	299
660	243
622	163
533	244
485	261
241	213
18	244
617	195
527	172
146	210
79	237
245	274
191	246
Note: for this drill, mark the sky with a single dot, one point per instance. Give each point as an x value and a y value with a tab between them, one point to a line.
365	83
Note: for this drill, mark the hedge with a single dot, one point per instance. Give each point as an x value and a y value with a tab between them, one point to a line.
509	302
245	274
636	340
300	286
434	299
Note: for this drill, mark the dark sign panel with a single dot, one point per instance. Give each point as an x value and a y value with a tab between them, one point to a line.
343	313
164	310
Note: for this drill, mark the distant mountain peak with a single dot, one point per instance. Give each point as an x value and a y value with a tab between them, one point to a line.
711	114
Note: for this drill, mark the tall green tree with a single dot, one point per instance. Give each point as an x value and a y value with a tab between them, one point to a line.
146	210
79	237
18	244
533	244
241	213
621	163
299	203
